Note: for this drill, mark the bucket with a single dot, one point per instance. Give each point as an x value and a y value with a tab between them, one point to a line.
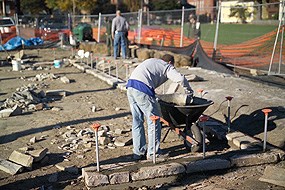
56	63
16	65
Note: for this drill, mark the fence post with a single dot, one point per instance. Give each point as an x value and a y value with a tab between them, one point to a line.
182	27
17	24
99	27
217	30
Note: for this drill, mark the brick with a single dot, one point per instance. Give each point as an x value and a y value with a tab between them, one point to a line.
120	177
254	159
22	159
207	165
10	167
94	179
158	171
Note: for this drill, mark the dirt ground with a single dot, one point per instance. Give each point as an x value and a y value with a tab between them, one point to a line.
112	110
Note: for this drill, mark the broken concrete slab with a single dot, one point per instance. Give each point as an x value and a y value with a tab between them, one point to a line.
123	141
158	171
10	167
207	165
16	110
38	154
22	159
241	160
274	175
232	135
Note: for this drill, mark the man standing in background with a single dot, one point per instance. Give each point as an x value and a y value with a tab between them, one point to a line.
119	28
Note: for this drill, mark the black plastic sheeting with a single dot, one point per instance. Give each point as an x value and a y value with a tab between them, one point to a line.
195	50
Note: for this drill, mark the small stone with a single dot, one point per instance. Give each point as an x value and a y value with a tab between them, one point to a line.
33	140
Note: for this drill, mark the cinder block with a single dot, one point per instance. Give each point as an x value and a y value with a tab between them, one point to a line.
94	179
22	159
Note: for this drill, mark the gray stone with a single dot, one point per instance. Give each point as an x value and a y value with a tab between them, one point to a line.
22	159
123	141
244	140
104	140
274	175
10	167
16	110
207	165
94	179
65	80
118	178
38	154
254	159
158	171
193	78
67	167
231	136
33	140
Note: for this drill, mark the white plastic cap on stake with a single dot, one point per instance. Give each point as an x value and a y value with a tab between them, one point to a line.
86	54
80	53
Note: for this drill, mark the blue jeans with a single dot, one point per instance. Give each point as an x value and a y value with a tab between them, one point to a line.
120	37
142	105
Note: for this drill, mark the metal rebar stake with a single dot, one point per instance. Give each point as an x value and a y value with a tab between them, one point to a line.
203	119
154	118
117	73
265	111
201	92
96	126
229	98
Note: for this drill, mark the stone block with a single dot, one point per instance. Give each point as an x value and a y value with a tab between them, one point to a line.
38	154
172	88
254	159
231	136
67	167
207	165
244	140
94	179
10	167
274	175
21	158
120	177
158	171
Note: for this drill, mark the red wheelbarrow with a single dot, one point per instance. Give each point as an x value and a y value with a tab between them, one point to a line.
184	116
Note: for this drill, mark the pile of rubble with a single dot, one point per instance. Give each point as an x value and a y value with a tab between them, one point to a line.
76	139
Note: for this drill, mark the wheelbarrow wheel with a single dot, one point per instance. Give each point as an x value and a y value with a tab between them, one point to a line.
195	133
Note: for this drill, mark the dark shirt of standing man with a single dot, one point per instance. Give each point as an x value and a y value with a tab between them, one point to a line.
119	28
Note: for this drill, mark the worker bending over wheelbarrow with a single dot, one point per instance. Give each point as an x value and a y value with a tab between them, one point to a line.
147	76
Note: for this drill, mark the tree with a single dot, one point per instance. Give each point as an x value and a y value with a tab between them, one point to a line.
34	7
165	5
132	5
240	12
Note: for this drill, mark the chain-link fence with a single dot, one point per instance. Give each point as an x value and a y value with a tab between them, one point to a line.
240	33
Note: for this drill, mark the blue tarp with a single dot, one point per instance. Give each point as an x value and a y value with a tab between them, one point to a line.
16	42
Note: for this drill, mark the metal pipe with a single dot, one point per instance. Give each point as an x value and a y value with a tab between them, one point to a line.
182	27
265	111
217	29
117	72
99	27
154	118
203	119
229	98
96	126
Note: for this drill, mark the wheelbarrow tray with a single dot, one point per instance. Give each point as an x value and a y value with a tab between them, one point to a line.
180	115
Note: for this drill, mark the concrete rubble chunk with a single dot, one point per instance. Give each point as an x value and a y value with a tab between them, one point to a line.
231	136
274	175
158	171
207	165
123	141
254	159
104	140
65	80
22	159
172	88
33	140
94	179
67	167
16	110
244	140
193	78
120	177
10	167
38	154
56	93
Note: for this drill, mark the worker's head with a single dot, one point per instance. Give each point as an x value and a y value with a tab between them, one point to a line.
118	13
168	58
